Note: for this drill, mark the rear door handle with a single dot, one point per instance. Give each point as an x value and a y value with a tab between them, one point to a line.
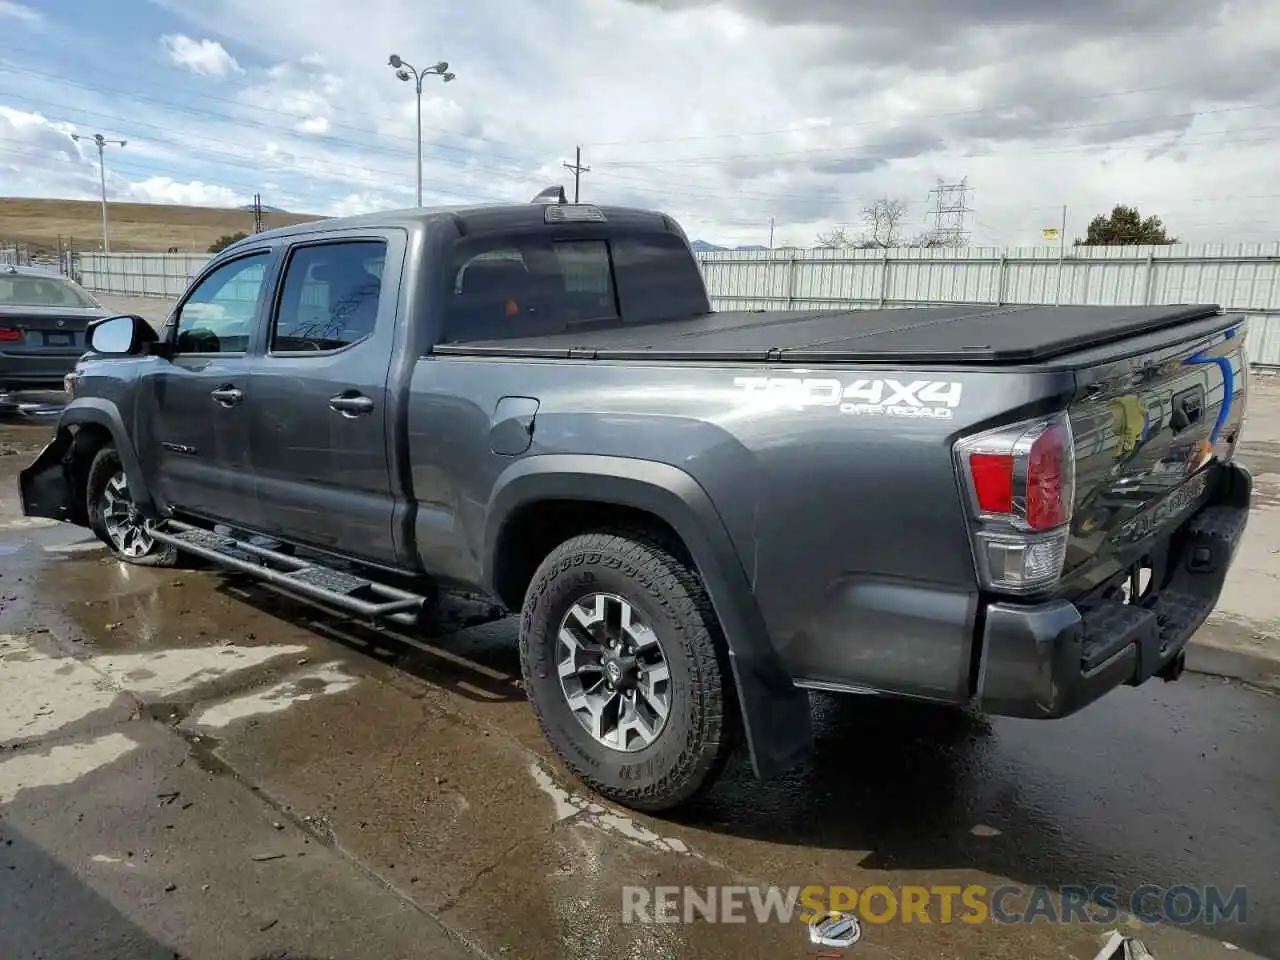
227	395
351	406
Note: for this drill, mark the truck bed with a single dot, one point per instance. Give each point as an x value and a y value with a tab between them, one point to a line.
974	334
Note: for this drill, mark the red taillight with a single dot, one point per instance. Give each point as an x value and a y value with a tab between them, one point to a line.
992	481
1047	483
1021	485
10	334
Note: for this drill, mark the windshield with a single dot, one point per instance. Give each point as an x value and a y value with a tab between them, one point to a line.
28	291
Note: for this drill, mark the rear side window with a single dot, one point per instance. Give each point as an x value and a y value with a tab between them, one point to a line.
330	296
658	278
528	287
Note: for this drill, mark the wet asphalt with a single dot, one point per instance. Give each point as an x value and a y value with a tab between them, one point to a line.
195	766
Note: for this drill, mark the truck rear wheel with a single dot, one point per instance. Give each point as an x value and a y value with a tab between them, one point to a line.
114	517
627	671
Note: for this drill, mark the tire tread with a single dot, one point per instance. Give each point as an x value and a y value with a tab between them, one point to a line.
666	582
104	466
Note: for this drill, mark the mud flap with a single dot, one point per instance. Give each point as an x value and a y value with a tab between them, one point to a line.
45	486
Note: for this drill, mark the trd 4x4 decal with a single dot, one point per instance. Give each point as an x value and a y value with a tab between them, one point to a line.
887	397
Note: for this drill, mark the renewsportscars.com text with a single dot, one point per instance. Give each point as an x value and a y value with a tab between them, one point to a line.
973	904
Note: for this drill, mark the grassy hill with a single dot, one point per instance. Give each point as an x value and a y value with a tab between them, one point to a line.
152	227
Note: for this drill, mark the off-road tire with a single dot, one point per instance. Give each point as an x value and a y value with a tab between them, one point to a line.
105	465
703	725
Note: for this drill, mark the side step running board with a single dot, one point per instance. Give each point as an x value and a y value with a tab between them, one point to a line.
352	593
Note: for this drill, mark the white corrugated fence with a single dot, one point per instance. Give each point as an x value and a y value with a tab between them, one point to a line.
1242	277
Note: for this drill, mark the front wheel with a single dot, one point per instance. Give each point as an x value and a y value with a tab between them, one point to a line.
115	518
626	668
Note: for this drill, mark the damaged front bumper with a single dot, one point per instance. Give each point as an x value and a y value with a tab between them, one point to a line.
46	487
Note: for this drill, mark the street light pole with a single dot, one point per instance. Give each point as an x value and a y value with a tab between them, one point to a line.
102	142
406	71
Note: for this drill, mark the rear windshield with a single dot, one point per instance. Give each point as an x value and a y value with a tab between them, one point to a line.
25	291
535	284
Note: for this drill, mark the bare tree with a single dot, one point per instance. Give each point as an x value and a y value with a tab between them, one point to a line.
884	223
836	239
884	220
933	239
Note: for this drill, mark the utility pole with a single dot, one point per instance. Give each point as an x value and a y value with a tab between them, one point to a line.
771	233
949	212
102	142
1062	255
407	72
577	169
257	213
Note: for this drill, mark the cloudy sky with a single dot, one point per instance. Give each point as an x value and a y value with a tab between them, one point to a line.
725	113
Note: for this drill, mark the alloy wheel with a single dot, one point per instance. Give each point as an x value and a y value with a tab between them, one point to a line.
613	672
125	525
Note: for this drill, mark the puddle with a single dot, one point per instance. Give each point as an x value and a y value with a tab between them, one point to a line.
27	523
328	678
59	765
169	672
568	805
82	546
40	694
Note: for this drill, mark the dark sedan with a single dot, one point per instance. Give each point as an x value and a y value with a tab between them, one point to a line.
43	316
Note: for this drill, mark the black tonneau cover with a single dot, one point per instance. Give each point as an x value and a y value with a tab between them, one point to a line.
969	334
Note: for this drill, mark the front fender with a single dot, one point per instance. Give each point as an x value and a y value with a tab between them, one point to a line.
47	486
775	712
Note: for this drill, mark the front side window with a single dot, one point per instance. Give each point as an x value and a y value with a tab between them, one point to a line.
330	296
218	315
528	287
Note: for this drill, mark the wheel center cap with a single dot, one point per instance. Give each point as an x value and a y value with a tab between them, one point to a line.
613	671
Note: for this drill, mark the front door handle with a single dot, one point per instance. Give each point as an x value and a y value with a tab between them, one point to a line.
351	405
227	395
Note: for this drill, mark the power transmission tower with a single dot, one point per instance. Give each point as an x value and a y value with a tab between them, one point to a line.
257	213
949	212
577	169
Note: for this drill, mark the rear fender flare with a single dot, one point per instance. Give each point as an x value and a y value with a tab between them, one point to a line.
104	413
775	712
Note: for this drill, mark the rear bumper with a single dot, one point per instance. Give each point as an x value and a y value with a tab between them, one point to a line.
27	370
1050	660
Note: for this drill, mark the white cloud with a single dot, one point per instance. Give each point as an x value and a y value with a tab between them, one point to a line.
314	125
689	87
205	57
302	101
726	114
356	203
38	157
192	194
17	11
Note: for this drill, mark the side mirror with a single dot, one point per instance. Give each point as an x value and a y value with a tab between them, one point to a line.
121	336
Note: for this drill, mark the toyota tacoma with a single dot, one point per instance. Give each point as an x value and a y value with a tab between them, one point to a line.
699	516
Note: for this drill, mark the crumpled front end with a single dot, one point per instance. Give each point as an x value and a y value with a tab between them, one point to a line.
47	486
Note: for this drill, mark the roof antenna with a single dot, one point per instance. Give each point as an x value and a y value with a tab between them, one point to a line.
551	195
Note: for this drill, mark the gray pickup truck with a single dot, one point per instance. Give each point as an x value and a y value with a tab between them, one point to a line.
699	515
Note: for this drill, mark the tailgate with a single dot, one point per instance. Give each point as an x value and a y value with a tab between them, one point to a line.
1146	431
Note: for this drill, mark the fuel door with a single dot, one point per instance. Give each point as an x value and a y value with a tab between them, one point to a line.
511	429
